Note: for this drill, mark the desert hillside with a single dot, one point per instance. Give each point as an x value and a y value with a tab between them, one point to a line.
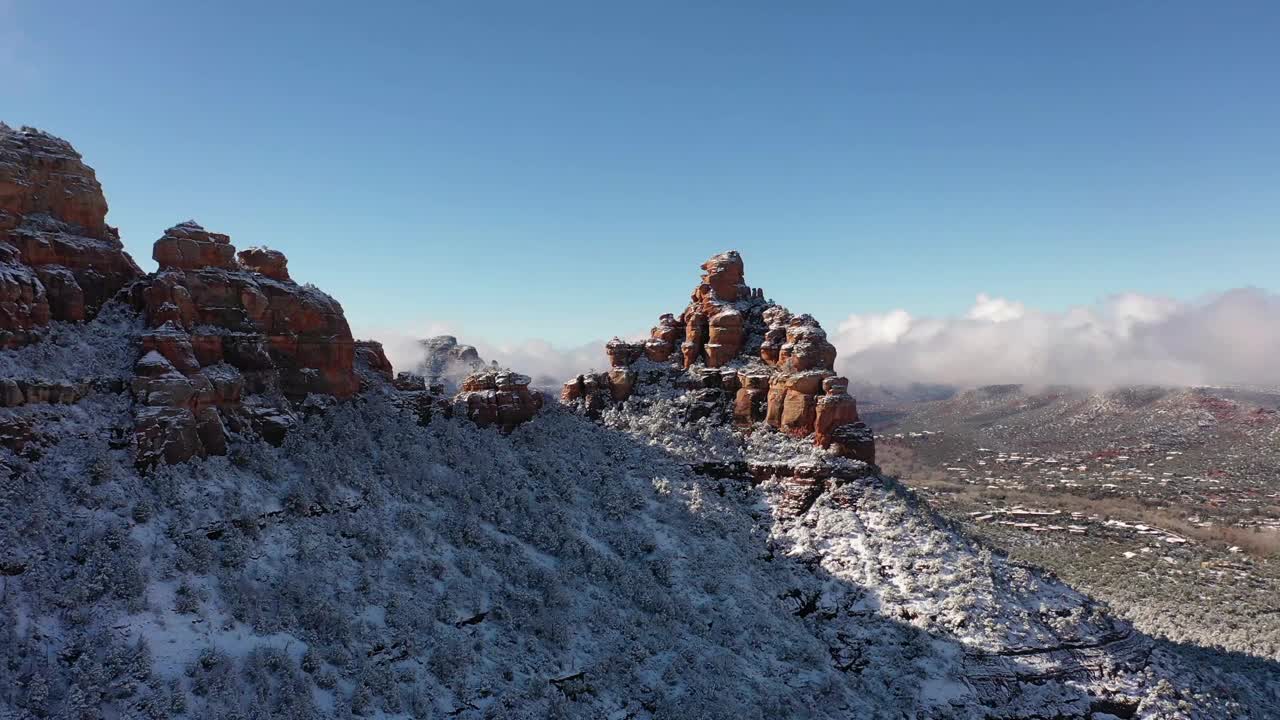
215	502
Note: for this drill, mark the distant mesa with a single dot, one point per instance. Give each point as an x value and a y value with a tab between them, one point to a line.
740	357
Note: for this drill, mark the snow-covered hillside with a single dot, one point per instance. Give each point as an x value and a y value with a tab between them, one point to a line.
630	568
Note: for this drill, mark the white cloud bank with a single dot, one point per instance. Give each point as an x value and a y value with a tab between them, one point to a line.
1233	337
548	365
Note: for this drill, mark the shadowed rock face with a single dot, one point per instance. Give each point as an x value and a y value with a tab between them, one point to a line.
743	358
59	260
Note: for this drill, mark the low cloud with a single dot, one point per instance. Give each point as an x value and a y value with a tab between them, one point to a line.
1126	339
548	365
1233	337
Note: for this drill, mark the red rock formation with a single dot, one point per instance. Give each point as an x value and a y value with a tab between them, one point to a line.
266	261
592	390
59	260
622	353
497	397
232	342
664	338
187	246
43	175
41	392
225	331
777	367
372	354
258	323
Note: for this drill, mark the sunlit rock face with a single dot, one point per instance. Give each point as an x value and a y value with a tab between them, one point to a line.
223	329
497	397
59	260
742	359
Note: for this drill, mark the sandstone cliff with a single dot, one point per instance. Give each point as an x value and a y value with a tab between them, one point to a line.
59	260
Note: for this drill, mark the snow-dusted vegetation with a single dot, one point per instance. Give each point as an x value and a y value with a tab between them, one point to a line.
374	567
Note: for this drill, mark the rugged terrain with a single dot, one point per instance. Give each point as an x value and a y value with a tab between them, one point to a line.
214	502
1165	502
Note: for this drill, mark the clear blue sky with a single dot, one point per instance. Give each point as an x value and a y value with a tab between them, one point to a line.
558	170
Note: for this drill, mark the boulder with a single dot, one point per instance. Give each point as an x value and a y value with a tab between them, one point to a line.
725	336
188	246
835	409
265	261
658	350
174	344
750	406
722	275
623	353
622	382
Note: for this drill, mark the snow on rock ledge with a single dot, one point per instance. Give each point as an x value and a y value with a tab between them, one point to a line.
500	398
741	358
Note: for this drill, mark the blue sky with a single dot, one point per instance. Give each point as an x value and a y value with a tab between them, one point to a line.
558	170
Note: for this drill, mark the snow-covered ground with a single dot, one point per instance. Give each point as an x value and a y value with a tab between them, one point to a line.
374	567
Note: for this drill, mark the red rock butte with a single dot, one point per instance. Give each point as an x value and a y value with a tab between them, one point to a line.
59	260
227	334
232	344
778	367
229	341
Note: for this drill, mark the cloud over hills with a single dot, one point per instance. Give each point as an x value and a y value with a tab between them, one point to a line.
1232	337
1129	338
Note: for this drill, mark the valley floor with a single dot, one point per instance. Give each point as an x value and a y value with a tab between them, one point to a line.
1164	504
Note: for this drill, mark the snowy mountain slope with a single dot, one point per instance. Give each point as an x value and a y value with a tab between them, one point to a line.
376	567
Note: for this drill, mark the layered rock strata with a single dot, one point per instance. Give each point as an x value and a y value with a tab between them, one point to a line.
229	339
59	260
497	397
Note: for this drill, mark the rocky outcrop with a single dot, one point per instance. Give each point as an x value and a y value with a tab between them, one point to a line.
265	261
18	392
187	246
221	330
497	397
371	354
739	357
276	331
59	260
446	361
232	344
